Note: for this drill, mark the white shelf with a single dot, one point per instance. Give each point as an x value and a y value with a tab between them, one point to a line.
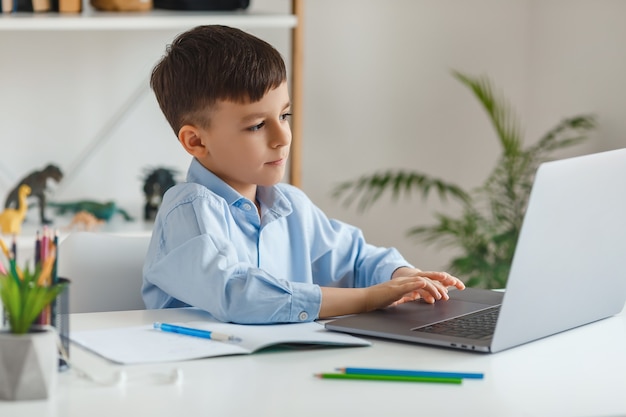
91	20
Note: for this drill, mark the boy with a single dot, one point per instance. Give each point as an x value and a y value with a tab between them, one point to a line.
233	240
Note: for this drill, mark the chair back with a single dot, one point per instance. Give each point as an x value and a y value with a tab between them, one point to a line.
105	271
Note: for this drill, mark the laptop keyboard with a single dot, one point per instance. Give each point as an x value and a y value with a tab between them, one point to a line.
479	325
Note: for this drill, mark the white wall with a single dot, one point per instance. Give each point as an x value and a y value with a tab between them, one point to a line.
378	95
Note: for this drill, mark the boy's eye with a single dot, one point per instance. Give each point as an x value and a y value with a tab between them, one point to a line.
259	126
256	127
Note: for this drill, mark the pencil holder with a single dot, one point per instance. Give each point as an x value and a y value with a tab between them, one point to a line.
61	321
28	364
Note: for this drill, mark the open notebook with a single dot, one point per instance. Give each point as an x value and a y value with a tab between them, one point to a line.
144	344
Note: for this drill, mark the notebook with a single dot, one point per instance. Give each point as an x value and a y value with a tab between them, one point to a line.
567	270
144	344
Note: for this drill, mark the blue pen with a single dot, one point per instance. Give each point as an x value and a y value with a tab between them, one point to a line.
206	334
400	372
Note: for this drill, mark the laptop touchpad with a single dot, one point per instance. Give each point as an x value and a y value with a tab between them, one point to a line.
419	313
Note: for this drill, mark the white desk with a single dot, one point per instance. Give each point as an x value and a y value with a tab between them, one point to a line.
569	374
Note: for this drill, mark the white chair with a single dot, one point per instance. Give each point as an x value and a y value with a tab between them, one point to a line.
105	271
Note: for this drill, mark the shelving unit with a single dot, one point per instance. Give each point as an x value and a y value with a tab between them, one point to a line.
93	20
156	19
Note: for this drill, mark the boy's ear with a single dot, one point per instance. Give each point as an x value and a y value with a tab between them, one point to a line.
191	138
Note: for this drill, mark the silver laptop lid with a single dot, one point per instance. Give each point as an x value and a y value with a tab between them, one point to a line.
577	216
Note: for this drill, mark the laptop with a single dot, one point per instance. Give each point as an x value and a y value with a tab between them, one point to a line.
567	271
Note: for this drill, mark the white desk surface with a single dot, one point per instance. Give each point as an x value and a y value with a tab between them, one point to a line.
581	372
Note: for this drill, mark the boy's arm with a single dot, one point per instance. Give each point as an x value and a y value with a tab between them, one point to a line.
415	284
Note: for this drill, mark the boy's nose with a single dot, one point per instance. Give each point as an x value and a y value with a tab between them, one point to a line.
281	137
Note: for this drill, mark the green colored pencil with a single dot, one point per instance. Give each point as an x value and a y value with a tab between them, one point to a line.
390	378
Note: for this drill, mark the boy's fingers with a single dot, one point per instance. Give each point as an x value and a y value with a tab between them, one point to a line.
430	290
433	291
428	297
445	278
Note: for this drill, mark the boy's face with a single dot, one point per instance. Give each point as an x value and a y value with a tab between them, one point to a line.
247	144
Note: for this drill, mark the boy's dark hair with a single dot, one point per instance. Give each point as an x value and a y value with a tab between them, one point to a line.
211	63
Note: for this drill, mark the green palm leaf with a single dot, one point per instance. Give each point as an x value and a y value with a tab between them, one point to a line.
369	188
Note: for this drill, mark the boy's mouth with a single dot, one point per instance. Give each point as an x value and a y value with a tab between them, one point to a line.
277	162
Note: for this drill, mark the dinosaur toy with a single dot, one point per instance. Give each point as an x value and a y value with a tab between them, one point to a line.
37	181
11	219
102	211
84	220
156	182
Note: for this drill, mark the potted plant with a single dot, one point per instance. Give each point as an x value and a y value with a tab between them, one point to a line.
490	219
28	352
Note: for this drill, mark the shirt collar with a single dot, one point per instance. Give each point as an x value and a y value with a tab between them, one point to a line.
271	197
200	175
274	200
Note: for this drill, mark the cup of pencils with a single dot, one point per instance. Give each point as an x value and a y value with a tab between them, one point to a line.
35	297
29	297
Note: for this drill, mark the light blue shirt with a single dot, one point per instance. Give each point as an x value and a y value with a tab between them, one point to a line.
211	250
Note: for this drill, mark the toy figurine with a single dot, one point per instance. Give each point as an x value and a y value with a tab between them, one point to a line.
156	183
102	211
37	181
11	219
84	220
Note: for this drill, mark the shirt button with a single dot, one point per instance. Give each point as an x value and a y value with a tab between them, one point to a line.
303	316
247	207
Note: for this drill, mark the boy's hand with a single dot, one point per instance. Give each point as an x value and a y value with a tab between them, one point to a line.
400	290
407	284
430	293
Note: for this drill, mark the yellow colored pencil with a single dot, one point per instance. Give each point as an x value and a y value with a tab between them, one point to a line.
45	277
5	249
